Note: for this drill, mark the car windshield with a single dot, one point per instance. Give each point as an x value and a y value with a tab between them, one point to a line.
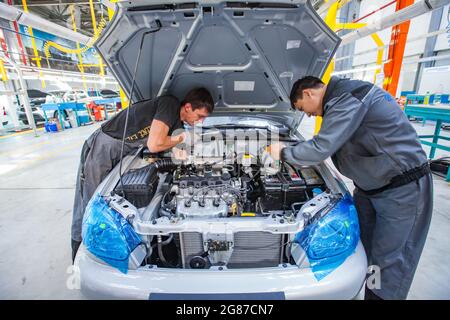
58	94
108	92
32	93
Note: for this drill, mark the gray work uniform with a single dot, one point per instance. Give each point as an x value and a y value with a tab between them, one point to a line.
371	141
101	151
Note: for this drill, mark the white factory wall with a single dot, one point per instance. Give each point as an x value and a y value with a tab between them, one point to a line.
407	77
367	43
443	62
435	80
443	40
418	27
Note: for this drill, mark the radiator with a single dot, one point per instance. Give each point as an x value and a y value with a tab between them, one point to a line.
253	249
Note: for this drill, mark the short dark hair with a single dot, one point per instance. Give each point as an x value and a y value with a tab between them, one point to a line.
308	82
199	98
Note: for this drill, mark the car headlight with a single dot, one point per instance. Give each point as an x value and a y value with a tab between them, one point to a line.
108	235
331	239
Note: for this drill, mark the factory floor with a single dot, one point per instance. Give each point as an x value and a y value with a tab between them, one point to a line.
37	183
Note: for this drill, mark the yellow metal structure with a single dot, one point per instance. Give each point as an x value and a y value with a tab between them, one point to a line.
350	25
123	98
3	74
94	21
248	214
380	53
376	38
330	20
110	13
36	57
89	45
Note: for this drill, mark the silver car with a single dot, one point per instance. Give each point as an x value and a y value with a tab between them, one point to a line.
231	222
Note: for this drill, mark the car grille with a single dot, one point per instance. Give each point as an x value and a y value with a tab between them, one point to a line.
251	249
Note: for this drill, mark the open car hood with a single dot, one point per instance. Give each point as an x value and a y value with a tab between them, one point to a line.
248	54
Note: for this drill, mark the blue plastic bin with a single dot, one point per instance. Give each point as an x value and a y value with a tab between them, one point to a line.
51	127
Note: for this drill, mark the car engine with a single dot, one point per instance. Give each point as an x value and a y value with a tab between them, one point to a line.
220	190
207	191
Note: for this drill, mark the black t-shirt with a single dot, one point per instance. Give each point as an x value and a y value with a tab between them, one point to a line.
141	114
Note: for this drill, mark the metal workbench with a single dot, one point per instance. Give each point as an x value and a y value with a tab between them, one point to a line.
438	113
75	106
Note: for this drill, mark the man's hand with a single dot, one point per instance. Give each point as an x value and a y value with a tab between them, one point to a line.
179	154
182	137
275	150
185	137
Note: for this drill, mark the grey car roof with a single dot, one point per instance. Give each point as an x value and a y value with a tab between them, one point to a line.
248	54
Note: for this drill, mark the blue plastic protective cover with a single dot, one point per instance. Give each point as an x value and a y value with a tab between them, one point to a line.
108	235
330	240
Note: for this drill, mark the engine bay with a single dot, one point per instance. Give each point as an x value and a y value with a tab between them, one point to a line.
228	212
184	209
221	190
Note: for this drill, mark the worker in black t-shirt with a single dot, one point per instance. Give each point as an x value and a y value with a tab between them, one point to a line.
150	122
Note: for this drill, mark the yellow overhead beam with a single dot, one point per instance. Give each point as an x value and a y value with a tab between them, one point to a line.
350	25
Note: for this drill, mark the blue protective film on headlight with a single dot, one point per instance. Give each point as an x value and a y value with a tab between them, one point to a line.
107	235
330	240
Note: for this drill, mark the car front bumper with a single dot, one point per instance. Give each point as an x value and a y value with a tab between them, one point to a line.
101	281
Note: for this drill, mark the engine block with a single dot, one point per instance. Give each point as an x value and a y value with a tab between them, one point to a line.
207	193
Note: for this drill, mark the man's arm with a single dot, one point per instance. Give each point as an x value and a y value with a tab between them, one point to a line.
339	124
158	138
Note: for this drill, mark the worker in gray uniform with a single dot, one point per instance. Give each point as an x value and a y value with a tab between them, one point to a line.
150	123
371	141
